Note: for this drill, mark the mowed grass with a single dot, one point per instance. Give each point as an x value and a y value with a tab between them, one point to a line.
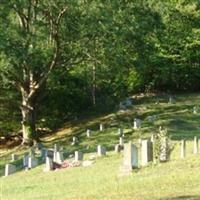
174	180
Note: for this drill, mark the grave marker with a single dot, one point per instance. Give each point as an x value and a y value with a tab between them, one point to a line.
78	156
9	169
183	148
146	152
101	150
196	145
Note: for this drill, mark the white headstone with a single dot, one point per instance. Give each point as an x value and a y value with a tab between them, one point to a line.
48	164
121	141
101	127
146	152
88	133
59	157
78	156
137	123
101	150
9	169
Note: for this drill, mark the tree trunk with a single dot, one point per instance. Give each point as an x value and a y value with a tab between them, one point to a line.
28	120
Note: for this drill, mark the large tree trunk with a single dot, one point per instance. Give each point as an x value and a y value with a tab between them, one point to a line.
28	120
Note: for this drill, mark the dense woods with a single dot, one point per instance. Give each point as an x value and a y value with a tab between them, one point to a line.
60	57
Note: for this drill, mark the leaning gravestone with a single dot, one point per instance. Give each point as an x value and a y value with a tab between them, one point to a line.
130	160
32	162
101	150
78	156
196	145
48	164
9	169
146	152
183	148
137	123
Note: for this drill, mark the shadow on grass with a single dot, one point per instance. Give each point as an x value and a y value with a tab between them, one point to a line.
182	198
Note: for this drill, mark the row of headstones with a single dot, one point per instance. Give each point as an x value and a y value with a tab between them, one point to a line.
130	160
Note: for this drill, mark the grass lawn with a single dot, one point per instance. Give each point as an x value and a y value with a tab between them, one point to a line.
177	179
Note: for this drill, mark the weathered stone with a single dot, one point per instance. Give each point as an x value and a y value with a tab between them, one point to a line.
14	157
183	148
121	141
9	169
137	123
59	157
101	150
78	156
48	164
25	160
130	159
196	145
32	162
146	152
164	150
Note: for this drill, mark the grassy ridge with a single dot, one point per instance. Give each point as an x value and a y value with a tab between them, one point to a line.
175	180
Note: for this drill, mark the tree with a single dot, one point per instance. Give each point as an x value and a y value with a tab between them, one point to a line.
31	48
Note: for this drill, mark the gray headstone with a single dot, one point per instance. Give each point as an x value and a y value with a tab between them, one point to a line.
43	153
146	152
183	148
9	169
101	150
48	164
130	159
32	162
196	145
14	157
49	153
164	150
25	160
137	123
78	156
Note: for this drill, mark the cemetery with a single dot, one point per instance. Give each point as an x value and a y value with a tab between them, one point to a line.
129	152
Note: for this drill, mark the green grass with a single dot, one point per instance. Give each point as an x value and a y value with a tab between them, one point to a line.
175	180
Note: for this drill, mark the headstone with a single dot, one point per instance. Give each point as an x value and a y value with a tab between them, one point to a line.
32	162
171	100
43	153
88	133
117	148
121	141
14	157
101	127
196	145
121	132
130	159
183	148
9	169
101	150
59	157
146	152
56	148
25	160
164	149
74	140
49	153
195	110
137	123
48	164
78	156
